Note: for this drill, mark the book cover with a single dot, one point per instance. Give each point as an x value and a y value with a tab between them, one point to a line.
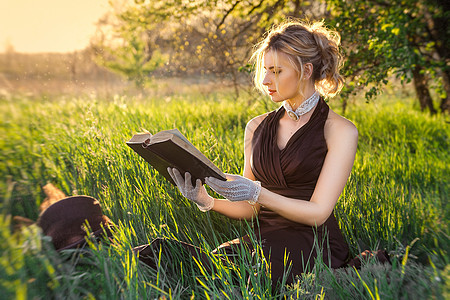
170	148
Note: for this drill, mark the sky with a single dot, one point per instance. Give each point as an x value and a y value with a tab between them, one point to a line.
49	25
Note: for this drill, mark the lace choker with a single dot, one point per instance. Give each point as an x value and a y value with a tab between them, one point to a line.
305	107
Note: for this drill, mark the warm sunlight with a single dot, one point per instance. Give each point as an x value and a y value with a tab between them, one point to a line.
48	25
257	180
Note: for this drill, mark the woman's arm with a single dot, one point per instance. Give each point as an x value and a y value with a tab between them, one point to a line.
342	138
242	209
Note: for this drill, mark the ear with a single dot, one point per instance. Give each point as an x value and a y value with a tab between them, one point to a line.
307	71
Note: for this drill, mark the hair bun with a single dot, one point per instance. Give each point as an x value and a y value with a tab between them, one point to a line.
328	79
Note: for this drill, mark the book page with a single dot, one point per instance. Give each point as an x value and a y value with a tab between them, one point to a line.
140	138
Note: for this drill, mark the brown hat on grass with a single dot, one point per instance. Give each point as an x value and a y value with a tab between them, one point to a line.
64	221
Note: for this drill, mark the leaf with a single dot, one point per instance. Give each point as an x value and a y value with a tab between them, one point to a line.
385	26
395	31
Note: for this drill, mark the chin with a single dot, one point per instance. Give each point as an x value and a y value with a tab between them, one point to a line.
277	99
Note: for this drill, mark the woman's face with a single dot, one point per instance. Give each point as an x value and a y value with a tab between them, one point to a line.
281	79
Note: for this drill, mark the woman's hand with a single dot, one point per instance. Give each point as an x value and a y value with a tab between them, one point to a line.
197	194
236	188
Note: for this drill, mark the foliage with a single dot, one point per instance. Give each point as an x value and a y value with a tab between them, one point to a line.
396	194
203	37
405	38
130	49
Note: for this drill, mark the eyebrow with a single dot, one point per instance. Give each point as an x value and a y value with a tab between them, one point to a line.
273	67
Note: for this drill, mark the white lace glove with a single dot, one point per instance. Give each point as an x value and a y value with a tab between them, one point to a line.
236	188
197	194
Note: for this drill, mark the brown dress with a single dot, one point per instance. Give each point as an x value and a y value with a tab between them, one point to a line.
293	172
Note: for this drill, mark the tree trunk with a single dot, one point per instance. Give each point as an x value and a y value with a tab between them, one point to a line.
235	84
445	101
421	86
297	6
437	28
344	104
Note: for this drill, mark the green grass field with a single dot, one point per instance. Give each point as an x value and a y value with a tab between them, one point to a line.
396	199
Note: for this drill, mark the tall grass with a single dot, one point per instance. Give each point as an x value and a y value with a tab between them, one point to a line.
396	199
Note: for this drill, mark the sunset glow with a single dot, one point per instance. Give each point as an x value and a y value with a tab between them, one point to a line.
49	25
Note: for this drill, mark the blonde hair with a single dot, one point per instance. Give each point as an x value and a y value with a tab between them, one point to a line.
304	43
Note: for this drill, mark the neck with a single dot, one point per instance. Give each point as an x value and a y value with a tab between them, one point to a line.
299	99
305	107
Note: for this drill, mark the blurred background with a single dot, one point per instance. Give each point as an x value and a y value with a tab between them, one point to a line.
79	78
52	47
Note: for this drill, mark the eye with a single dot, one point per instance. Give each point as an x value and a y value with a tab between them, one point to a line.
276	71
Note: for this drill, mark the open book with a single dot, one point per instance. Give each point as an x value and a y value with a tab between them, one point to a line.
169	148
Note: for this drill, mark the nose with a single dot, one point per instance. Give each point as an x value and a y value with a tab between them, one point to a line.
266	80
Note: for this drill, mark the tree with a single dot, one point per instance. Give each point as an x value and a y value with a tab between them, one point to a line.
400	37
125	47
405	38
204	36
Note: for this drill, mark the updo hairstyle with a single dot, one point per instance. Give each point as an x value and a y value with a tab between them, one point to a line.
304	43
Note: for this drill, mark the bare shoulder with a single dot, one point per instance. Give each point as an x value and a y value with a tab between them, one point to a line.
338	128
249	130
254	123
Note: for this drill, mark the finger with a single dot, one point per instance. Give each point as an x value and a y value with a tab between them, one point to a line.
173	175
218	191
231	177
187	181
169	170
178	178
215	184
198	184
209	181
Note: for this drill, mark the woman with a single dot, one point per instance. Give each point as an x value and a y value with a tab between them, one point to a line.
297	158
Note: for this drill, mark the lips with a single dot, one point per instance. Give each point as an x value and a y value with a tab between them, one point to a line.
271	92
